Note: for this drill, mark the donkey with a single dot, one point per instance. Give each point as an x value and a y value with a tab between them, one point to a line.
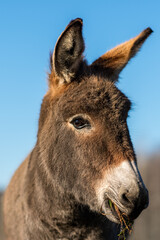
83	156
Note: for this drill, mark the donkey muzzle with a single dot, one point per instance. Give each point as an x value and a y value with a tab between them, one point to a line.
125	188
134	199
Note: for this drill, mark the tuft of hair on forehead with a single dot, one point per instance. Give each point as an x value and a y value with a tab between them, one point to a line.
94	95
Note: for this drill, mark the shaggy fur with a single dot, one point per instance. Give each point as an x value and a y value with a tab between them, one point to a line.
52	194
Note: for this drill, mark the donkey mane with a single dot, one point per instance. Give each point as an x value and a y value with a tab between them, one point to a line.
83	157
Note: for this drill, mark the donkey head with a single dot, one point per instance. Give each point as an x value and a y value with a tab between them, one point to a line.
83	136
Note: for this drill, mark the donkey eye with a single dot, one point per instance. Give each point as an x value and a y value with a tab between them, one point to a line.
79	123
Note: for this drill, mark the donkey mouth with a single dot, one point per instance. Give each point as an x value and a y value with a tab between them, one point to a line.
115	214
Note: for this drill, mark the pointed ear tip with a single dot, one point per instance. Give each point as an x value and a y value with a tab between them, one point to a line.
75	21
148	31
79	20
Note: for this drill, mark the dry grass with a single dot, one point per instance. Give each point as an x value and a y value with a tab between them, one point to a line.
125	222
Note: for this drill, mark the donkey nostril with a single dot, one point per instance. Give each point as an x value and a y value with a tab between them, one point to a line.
124	197
127	197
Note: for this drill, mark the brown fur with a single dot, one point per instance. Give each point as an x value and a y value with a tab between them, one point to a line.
52	194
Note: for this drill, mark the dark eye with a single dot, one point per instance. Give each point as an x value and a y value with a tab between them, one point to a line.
79	123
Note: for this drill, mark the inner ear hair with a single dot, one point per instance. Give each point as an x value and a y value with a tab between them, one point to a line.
69	48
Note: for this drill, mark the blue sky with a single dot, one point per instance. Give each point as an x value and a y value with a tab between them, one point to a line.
29	30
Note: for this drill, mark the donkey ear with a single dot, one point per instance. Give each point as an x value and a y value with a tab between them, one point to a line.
67	55
113	61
